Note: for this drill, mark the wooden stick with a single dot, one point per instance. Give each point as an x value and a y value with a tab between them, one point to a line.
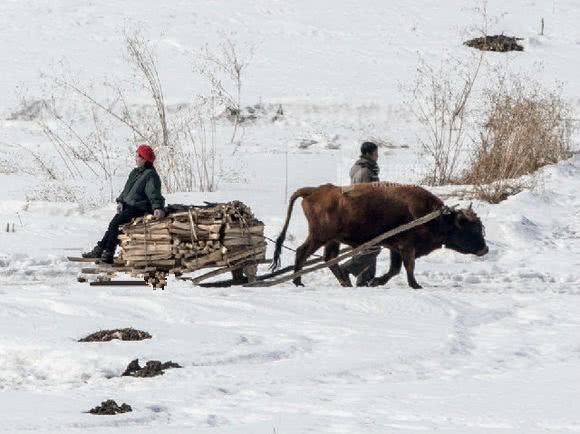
141	237
244	241
291	267
223	270
204	260
198	227
153	260
149	227
231	257
260	256
186	235
151	246
148	264
119	283
214	273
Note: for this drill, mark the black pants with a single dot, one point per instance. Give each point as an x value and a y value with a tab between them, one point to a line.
110	239
364	267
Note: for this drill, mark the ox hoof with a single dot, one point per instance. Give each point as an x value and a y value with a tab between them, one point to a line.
298	283
415	286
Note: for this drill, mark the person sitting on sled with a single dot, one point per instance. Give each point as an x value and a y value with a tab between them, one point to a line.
141	195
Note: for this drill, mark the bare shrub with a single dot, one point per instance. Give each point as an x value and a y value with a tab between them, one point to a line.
56	191
45	167
145	123
526	127
440	104
203	146
173	160
184	139
81	153
224	68
145	62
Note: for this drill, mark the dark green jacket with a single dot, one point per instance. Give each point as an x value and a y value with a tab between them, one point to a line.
143	190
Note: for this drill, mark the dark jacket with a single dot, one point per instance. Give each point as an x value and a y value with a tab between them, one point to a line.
364	170
364	265
143	190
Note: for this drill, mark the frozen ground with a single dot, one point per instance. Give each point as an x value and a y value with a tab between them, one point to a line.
490	345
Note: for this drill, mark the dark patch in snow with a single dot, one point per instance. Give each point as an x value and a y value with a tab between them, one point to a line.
110	407
152	368
500	43
128	334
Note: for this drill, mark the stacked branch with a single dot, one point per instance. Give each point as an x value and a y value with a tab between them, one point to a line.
190	238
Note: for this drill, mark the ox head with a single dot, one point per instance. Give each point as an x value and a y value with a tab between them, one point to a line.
465	232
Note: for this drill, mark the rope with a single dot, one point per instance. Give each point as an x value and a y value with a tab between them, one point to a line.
286	247
192	226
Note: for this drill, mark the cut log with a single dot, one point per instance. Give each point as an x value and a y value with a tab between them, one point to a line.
242	230
186	235
161	263
242	241
154	236
203	260
147	228
152	259
199	228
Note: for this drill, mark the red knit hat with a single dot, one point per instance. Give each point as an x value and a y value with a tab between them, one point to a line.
146	152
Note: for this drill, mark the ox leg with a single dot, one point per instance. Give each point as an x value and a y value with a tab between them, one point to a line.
330	252
302	253
409	262
394	269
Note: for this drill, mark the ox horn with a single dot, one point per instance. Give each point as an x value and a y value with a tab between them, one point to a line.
446	210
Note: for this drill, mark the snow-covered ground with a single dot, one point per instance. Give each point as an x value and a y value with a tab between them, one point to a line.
490	345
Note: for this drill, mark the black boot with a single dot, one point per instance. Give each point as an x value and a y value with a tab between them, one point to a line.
107	257
95	253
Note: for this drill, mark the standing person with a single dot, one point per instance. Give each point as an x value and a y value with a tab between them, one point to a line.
141	195
366	169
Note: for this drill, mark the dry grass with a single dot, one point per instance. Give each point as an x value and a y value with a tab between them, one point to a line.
526	127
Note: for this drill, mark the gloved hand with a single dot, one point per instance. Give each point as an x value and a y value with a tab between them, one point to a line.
158	213
119	207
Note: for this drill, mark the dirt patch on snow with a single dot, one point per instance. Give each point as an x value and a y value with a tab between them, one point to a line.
151	369
499	43
110	407
129	334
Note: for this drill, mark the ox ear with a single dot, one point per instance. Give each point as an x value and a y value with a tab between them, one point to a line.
448	218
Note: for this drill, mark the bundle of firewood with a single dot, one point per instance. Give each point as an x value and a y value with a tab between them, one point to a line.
190	238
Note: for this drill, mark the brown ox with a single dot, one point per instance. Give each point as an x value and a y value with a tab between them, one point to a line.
356	214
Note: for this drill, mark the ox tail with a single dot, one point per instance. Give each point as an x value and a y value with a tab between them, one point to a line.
303	192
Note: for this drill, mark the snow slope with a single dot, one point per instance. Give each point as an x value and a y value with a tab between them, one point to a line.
490	345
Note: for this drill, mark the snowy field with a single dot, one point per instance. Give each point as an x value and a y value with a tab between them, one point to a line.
490	345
